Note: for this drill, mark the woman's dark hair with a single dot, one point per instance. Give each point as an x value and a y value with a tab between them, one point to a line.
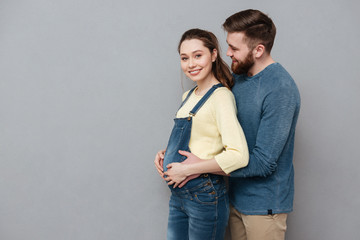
257	27
219	68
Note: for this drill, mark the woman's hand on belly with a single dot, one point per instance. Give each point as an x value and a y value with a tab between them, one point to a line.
179	172
176	173
159	160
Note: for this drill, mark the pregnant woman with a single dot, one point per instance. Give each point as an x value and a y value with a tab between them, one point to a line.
206	125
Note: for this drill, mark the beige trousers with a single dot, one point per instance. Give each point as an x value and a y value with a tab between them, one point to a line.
256	227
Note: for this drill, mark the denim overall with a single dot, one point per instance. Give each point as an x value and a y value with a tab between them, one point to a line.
200	209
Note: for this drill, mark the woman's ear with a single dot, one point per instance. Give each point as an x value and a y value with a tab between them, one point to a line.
214	55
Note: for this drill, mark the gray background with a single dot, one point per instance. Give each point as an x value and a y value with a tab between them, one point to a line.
88	90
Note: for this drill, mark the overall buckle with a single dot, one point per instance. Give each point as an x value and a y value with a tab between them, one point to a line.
190	116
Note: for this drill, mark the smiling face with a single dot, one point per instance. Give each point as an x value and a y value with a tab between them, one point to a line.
242	57
196	60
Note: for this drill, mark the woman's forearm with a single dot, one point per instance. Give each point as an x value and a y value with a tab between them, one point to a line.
204	166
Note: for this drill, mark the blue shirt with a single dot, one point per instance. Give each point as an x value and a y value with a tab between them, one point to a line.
268	106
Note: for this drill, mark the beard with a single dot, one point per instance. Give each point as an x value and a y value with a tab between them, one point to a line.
244	66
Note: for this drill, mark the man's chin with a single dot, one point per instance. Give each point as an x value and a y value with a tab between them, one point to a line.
237	70
234	68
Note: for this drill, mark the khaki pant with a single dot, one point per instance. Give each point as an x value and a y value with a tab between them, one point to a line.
256	227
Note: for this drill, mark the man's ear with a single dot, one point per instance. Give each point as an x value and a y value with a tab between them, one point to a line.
259	50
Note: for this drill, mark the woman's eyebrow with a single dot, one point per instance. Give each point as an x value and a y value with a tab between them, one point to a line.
192	52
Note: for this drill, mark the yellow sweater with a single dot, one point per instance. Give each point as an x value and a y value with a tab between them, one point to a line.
216	132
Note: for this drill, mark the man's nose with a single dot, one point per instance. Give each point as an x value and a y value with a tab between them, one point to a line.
229	52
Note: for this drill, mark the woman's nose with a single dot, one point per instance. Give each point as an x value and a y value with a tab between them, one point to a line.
192	63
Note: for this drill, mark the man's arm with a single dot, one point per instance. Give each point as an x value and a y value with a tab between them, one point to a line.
279	112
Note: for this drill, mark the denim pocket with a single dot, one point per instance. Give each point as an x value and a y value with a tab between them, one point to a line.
206	197
207	194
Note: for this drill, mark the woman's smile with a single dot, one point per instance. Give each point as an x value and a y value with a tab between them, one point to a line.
195	72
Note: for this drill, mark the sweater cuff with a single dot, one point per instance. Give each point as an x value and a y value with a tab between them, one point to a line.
230	161
223	163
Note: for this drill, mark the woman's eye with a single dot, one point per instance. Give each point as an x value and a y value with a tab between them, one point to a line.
198	56
183	59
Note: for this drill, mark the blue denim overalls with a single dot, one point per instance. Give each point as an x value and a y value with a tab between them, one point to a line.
200	209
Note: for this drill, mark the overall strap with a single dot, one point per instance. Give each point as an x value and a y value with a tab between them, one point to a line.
204	99
187	97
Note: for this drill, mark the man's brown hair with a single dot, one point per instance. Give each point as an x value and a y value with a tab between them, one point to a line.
257	27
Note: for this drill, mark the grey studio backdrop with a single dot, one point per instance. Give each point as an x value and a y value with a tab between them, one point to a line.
88	91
